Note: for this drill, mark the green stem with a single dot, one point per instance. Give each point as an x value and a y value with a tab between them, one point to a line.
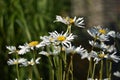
51	75
107	71
36	72
35	69
70	68
64	60
18	75
17	72
90	62
30	72
60	68
93	73
89	69
110	70
69	29
56	66
101	70
55	60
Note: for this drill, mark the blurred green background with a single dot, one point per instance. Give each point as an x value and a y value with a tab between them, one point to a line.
25	20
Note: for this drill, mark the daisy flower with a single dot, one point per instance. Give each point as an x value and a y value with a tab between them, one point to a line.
108	48
103	46
84	54
27	47
23	49
64	39
46	40
99	56
100	33
12	49
80	50
94	44
79	22
16	61
31	62
114	34
113	57
70	49
33	44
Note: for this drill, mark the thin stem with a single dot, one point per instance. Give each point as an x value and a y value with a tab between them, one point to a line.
69	29
93	73
107	69
70	68
18	75
90	62
64	71
89	69
101	70
35	69
56	66
36	72
110	70
60	68
30	72
51	75
17	72
61	63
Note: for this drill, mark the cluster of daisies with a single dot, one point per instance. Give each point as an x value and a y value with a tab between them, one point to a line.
55	43
55	39
103	49
101	37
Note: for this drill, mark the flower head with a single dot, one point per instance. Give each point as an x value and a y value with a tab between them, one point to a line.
46	40
103	46
23	49
99	33
33	43
113	57
31	62
69	21
64	39
16	61
12	49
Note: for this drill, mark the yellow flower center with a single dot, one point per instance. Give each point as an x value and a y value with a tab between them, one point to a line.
63	49
31	63
33	43
16	62
101	55
102	31
71	21
17	51
61	38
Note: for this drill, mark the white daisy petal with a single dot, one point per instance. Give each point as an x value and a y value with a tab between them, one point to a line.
117	74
